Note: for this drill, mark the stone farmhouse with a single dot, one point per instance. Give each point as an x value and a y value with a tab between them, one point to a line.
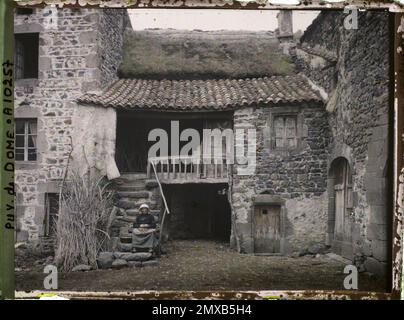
87	86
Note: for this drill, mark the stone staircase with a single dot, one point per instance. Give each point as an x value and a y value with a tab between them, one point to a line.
133	189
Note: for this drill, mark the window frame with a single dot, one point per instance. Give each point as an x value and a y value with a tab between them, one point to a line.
285	137
20	55
269	132
26	135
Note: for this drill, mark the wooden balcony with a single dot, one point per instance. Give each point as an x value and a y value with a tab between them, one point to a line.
188	169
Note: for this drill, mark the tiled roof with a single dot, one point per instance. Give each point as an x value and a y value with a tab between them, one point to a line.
195	95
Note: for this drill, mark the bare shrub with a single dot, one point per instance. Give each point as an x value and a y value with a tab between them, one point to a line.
83	222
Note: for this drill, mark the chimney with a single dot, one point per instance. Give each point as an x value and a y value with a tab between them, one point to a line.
285	25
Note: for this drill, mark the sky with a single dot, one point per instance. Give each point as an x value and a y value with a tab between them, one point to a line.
215	19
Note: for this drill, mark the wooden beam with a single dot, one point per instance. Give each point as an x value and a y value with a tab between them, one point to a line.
195	181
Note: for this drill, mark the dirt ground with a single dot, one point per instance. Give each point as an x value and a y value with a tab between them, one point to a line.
204	265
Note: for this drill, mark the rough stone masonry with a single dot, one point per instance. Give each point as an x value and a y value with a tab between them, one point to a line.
352	66
77	54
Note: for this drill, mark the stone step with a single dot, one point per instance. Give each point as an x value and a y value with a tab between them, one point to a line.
134	194
151	183
128	219
136	185
119	223
130	187
134	176
127	203
135	212
134	256
131	178
122	181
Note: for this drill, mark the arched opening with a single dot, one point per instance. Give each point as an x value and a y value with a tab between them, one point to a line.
340	208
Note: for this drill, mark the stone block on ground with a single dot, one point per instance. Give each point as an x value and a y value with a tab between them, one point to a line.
338	258
133	256
105	259
317	248
119	263
374	266
81	267
135	264
295	255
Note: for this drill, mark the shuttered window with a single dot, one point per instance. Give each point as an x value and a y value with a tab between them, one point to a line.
285	132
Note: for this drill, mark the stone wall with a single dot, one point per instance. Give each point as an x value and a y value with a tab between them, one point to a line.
317	52
357	83
297	178
112	24
72	60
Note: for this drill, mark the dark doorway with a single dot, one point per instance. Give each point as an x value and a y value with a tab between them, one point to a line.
199	211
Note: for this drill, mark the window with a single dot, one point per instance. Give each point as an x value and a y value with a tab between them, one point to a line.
26	55
52	210
285	132
25	139
25	11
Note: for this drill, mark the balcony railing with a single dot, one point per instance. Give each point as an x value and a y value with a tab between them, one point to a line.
189	169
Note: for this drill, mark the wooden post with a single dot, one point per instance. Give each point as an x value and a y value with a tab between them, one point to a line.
7	216
198	176
173	164
148	168
168	168
185	169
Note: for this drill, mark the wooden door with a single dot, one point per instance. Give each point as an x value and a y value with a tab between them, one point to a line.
339	212
343	212
343	207
267	229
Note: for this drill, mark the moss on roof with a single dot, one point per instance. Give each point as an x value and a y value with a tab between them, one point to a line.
175	54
